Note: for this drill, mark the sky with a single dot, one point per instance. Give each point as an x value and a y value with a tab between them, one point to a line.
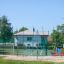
40	14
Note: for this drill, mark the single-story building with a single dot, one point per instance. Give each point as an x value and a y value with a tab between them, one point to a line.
31	38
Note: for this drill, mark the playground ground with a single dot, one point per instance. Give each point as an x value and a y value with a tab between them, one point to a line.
34	58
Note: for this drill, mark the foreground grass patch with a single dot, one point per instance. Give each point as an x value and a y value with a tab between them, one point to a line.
2	61
24	62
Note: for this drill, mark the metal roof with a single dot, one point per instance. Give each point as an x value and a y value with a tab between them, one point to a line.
28	32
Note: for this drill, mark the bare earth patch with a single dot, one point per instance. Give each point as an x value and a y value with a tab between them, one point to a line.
35	58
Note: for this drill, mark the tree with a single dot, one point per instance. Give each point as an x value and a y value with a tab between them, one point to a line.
58	35
15	31
6	31
23	29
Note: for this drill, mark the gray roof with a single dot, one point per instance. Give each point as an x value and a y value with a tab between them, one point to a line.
28	32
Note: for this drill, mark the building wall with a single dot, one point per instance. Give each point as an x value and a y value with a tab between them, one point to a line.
30	40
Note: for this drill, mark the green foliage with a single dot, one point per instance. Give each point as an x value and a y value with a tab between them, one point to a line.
6	31
15	31
23	29
58	35
50	46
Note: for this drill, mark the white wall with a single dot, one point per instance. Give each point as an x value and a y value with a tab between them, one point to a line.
23	40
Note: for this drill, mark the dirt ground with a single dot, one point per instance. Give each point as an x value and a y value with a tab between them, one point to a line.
35	58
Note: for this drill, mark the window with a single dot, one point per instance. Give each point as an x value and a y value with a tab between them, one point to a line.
29	38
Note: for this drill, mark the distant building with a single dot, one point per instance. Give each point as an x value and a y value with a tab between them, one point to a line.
31	38
50	40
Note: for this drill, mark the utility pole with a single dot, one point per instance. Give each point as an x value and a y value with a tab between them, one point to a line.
37	44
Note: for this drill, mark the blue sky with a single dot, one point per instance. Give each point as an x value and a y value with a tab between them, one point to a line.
40	14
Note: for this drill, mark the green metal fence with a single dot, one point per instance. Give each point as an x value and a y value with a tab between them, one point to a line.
10	49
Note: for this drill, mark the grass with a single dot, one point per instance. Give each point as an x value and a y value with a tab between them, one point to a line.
23	62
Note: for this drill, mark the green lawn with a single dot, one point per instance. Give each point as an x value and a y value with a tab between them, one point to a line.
23	62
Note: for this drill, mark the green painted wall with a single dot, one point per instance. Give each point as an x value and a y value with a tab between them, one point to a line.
44	40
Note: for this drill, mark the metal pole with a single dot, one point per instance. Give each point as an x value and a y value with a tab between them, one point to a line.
23	43
33	38
37	44
13	48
